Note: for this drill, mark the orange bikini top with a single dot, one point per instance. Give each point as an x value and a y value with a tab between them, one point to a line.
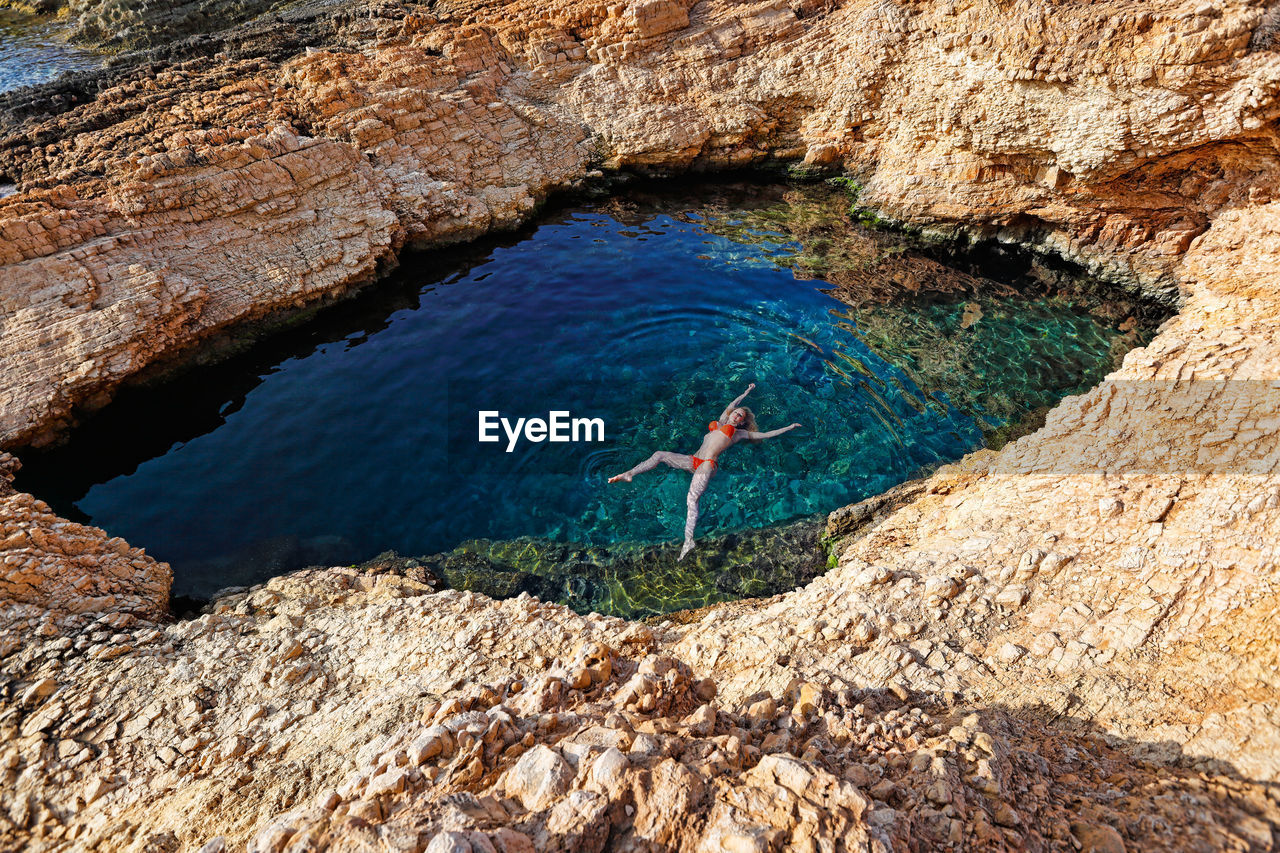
727	429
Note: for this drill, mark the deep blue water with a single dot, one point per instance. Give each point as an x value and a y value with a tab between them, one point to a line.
342	448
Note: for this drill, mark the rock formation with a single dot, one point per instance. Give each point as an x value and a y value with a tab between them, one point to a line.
121	23
47	559
1068	644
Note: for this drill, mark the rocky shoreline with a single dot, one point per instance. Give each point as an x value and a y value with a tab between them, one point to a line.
1071	643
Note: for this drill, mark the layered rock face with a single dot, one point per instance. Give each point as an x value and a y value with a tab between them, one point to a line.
119	23
338	710
1071	643
48	560
192	194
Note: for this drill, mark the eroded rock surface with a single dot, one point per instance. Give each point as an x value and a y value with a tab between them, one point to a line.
121	23
1069	644
46	560
331	710
286	160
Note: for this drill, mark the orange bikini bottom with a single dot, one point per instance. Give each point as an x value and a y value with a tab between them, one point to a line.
698	461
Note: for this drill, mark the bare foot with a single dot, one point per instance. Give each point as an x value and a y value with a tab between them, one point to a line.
624	477
688	546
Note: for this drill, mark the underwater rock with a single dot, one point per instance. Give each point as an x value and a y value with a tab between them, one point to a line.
636	581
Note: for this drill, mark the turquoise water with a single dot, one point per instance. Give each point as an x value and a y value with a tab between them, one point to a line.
357	432
36	51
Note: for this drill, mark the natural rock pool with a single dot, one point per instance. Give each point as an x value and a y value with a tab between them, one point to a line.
355	431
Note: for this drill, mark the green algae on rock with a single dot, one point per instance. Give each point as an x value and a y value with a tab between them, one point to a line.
629	269
633	580
938	308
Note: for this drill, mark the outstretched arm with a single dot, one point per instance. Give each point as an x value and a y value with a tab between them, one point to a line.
724	416
773	433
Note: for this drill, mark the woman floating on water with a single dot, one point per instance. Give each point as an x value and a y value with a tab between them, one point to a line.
737	423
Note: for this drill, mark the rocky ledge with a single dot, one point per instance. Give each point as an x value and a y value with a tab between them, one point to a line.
1072	643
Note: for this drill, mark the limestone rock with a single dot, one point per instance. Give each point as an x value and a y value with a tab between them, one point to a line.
1126	543
539	778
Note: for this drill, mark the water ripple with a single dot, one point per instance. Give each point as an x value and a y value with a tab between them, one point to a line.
367	440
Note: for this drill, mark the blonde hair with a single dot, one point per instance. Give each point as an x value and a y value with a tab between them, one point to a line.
750	423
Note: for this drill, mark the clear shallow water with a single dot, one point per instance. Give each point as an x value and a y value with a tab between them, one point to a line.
356	433
37	51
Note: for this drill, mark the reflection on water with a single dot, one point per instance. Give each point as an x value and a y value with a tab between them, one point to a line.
36	50
355	433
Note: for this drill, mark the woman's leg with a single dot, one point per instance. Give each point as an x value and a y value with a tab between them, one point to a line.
683	461
699	485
